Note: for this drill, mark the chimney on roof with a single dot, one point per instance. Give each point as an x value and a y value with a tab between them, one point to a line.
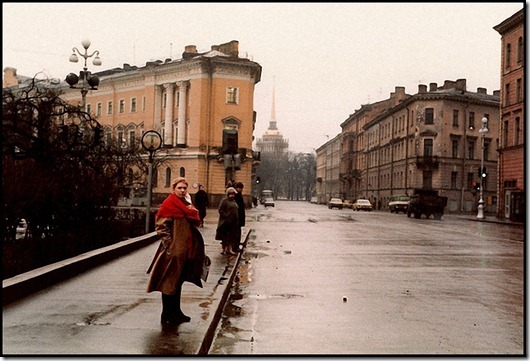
215	47
461	84
433	87
449	84
231	48
189	51
482	91
497	93
422	88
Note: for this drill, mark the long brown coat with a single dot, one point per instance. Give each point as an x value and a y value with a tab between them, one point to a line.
180	254
228	230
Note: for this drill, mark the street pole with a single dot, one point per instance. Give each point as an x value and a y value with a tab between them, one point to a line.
151	141
149	186
482	131
86	78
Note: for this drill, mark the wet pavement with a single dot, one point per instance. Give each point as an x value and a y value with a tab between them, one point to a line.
311	281
106	311
314	281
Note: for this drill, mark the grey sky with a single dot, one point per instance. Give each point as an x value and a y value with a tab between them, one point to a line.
326	59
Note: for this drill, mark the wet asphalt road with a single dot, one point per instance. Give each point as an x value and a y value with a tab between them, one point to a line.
314	281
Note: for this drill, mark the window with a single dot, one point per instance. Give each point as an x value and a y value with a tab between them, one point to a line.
168	177
471	120
427	148
455	118
182	172
108	137
231	95
88	108
471	149
109	107
470	177
98	111
517	130
429	116
453	179
122	106
519	91
133	105
143	104
520	50
132	139
507	94
454	148
508	55
427	179
506	132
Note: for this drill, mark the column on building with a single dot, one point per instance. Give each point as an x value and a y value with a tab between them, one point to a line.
158	108
168	124
181	130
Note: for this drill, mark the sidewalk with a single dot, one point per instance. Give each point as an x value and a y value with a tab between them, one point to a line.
104	309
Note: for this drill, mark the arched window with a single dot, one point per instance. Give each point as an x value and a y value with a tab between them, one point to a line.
168	177
520	50
182	172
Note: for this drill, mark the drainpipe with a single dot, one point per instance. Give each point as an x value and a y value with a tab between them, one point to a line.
209	121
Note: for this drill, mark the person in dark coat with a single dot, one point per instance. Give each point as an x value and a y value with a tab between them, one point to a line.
241	203
180	255
201	202
228	230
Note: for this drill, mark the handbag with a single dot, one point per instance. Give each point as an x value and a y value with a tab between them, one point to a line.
206	268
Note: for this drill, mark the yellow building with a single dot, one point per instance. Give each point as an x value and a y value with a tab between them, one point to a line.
202	105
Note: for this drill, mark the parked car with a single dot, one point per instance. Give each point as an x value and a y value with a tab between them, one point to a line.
399	203
335	203
268	202
362	205
314	200
347	204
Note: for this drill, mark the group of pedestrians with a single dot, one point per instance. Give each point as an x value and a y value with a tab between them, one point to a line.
180	256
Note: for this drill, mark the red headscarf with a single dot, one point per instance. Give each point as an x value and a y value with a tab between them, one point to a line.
175	207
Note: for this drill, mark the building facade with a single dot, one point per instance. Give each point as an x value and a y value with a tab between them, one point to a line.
511	172
328	172
429	140
202	105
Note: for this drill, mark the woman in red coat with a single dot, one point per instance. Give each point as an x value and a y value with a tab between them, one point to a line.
180	256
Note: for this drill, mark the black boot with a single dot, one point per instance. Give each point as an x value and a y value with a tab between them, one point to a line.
180	317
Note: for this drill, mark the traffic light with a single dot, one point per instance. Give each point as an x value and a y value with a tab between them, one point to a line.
258	180
476	185
483	173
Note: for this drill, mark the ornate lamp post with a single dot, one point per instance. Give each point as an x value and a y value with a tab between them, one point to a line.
151	141
482	132
88	81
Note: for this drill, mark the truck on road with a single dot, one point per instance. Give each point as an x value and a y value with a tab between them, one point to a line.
428	202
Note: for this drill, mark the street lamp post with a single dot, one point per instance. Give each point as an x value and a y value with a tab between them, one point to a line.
151	141
482	131
88	81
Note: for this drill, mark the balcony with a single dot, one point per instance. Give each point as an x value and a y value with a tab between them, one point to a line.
427	162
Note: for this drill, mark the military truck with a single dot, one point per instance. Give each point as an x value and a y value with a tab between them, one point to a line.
428	202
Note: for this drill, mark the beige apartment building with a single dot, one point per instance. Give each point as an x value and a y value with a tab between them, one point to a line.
427	140
202	105
511	190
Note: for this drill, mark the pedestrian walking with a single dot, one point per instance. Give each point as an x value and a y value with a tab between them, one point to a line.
201	202
228	230
180	256
241	203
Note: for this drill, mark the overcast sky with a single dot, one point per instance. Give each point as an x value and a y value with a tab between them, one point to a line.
325	59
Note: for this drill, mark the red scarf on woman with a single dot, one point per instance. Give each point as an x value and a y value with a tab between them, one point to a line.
174	207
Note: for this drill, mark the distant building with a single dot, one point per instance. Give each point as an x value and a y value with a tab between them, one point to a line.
511	172
427	140
328	159
272	140
198	104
